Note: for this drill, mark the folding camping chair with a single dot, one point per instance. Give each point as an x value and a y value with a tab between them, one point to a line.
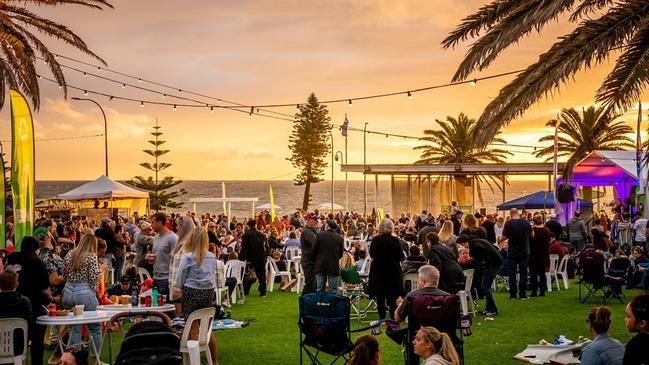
352	288
592	275
616	276
440	311
325	326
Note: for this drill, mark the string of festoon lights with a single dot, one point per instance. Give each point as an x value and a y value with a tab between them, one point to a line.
61	138
256	110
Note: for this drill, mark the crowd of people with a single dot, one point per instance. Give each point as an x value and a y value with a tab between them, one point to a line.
67	260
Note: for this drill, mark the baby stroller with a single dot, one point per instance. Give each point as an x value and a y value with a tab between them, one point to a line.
147	342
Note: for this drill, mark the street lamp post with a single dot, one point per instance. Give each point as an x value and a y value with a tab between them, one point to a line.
332	170
364	168
105	130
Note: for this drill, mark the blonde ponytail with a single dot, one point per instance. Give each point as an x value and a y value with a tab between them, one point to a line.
441	344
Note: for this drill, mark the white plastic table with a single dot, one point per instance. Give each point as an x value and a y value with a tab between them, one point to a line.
88	317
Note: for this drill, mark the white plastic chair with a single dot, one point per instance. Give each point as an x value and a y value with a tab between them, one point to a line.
292	252
365	269
221	290
554	264
236	269
413	278
143	274
468	283
273	272
7	327
299	275
563	270
347	244
205	316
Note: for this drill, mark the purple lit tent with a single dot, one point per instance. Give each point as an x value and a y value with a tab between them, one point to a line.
607	168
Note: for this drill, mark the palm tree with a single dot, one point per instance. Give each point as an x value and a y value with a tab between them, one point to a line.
602	27
577	137
576	130
454	144
18	54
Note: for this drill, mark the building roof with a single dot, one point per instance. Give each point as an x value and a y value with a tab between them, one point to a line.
525	168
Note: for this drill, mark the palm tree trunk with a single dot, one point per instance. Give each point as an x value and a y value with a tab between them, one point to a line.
461	183
307	193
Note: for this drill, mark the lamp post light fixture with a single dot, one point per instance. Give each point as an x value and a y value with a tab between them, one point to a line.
105	130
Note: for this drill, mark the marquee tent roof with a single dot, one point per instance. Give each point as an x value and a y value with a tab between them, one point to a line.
103	188
538	200
602	168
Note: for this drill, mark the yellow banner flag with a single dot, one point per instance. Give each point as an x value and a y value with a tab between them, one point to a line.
22	167
380	213
272	203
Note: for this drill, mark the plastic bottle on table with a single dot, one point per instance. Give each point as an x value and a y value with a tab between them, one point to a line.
154	296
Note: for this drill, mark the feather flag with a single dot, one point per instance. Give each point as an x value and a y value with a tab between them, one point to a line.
22	167
3	203
344	126
272	203
638	157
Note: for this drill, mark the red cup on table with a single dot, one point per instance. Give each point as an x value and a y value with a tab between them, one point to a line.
147	301
161	300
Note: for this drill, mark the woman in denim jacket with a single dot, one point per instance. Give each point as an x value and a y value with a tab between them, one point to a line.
603	350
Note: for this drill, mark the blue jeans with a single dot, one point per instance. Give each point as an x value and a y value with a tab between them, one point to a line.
163	286
81	293
519	265
488	276
321	279
579	244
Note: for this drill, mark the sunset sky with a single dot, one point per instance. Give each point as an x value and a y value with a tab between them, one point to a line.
266	52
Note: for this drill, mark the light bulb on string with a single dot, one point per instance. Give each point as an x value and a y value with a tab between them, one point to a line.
85	74
409	95
60	86
350	103
123	86
174	108
85	93
297	108
218	101
98	68
252	109
39	76
211	109
110	98
139	80
142	104
164	96
473	82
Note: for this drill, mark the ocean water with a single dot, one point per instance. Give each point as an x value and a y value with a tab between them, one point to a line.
289	196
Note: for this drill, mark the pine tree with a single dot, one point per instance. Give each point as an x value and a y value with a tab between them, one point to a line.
159	197
309	144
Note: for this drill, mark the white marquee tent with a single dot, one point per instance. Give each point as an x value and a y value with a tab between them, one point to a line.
103	189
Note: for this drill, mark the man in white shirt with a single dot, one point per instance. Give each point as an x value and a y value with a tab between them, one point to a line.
639	229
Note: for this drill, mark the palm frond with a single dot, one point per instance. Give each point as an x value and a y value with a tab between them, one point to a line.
630	77
589	44
484	18
587	7
520	22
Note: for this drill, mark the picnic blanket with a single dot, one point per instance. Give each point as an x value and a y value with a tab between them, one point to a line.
542	354
228	323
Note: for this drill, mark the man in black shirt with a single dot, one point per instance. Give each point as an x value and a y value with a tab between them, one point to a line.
554	227
116	247
489	226
517	231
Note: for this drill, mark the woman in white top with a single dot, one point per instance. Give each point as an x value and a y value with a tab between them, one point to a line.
185	225
435	347
499	226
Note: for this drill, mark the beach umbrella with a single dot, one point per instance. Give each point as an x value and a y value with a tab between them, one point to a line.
327	206
267	206
538	200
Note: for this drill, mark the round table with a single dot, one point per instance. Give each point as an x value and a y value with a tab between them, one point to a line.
120	308
88	317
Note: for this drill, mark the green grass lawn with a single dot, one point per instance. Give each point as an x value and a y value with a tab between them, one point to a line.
273	337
